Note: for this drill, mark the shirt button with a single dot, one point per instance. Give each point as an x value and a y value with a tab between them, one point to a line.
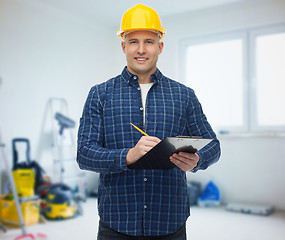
135	77
145	179
145	206
141	108
138	88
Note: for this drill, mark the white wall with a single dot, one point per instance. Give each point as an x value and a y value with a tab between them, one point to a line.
251	170
46	53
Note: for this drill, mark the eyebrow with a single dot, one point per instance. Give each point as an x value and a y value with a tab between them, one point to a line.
135	39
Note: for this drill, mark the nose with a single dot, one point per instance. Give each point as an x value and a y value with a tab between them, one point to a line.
141	48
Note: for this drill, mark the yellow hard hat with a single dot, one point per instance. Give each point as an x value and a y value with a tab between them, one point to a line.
141	17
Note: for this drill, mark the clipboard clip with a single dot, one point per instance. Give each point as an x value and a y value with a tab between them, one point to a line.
197	137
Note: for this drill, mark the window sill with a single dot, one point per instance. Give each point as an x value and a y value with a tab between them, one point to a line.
231	135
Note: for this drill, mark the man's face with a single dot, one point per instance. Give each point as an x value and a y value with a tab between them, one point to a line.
142	49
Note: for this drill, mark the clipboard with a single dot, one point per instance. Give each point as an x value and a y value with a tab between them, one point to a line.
158	157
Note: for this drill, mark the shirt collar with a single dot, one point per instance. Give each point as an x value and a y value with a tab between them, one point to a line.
132	78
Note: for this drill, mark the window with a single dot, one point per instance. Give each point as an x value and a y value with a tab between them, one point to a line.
270	79
214	67
239	78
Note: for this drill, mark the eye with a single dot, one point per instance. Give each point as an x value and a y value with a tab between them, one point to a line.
132	41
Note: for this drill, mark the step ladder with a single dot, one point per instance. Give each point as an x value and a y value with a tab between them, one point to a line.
65	168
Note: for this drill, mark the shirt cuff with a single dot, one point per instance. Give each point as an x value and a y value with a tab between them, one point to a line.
121	159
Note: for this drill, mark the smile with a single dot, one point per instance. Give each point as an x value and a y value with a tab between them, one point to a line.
141	59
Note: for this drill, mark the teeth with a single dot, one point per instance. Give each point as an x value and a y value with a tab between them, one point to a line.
141	59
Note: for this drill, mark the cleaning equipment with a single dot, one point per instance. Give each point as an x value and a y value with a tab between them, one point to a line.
60	202
63	145
16	200
141	17
30	208
64	122
23	174
28	175
14	192
210	197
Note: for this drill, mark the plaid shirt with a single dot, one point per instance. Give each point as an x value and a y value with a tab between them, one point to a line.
140	202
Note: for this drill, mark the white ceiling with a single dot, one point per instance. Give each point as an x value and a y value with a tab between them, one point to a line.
109	12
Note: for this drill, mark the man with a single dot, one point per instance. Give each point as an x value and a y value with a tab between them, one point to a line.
141	204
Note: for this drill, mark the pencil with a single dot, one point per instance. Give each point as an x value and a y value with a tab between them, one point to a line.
139	129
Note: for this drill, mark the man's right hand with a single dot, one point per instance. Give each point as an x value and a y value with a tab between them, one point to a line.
145	144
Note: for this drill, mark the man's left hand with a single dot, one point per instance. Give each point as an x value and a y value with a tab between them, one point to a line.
185	161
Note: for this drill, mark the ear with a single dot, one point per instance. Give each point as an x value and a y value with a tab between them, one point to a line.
160	45
123	44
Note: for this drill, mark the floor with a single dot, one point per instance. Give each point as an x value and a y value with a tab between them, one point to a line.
204	223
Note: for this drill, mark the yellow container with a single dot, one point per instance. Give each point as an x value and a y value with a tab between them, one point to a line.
9	214
60	211
24	181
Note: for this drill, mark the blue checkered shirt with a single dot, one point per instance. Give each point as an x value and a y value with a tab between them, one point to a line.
140	202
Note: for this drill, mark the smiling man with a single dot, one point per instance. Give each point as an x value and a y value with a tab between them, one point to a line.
142	49
139	203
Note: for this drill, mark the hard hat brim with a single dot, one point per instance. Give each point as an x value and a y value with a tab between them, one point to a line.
121	33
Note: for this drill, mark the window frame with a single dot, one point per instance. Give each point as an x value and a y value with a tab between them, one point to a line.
248	37
253	34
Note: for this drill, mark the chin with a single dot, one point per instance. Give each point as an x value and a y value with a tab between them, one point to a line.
143	70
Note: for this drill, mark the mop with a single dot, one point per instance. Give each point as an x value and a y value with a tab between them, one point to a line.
16	198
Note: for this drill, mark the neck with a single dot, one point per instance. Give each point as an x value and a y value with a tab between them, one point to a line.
144	79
